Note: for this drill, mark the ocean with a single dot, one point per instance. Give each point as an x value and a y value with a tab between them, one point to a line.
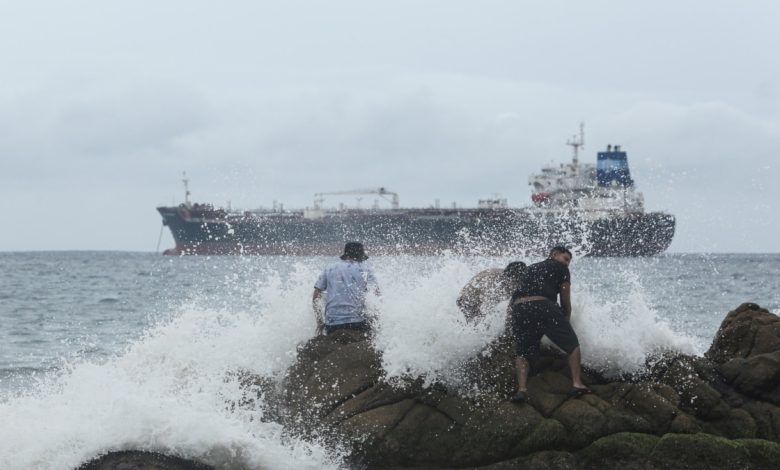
103	351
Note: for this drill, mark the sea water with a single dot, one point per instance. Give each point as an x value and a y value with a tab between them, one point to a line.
109	351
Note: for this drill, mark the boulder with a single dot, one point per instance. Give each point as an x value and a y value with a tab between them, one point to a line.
716	411
682	401
747	331
746	349
139	460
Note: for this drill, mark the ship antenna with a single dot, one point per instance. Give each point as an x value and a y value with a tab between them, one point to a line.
186	182
576	144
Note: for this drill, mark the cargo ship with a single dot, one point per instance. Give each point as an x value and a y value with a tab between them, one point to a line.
593	208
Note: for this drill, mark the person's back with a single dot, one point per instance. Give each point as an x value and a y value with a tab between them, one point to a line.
483	289
346	283
543	279
488	288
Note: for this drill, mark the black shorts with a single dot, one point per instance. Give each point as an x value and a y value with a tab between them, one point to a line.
532	320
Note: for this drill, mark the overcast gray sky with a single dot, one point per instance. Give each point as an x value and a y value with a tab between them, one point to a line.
104	104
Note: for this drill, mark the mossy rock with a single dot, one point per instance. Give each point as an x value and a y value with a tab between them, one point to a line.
549	434
584	423
492	434
767	419
763	454
698	451
757	376
622	450
423	436
544	460
736	424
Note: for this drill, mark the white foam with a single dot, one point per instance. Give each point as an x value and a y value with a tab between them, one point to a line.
619	332
170	390
421	330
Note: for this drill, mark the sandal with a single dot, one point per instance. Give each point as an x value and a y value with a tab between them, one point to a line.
519	397
577	392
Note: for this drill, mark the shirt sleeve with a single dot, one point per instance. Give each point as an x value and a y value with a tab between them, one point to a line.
565	275
371	277
322	282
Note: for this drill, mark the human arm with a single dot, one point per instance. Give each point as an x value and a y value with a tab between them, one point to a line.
566	299
316	304
371	283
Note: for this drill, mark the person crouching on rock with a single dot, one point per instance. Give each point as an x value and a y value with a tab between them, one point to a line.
535	312
346	283
488	288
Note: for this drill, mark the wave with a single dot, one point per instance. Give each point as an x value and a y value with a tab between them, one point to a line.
170	390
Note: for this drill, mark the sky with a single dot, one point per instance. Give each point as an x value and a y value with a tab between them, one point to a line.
103	105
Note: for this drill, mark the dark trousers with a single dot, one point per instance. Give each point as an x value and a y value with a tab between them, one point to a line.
358	326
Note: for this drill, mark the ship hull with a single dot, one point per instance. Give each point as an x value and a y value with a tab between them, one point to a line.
504	232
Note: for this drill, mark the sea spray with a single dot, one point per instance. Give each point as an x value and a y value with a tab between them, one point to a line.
421	332
169	392
173	389
618	334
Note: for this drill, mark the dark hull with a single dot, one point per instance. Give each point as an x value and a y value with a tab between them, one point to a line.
418	232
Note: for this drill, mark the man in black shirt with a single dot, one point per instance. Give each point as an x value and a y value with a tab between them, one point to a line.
535	313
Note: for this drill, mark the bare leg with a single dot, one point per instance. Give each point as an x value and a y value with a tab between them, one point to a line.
522	374
575	358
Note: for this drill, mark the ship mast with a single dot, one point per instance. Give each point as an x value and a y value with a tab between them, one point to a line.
186	182
576	144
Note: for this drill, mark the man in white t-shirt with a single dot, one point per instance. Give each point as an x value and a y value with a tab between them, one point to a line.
346	283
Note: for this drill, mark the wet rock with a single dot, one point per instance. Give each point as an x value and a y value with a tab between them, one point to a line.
138	460
330	371
756	376
698	451
767	419
747	331
623	450
747	351
545	460
763	454
685	412
651	407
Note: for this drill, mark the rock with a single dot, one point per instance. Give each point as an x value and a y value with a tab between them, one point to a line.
685	412
678	451
767	419
698	451
763	454
747	351
650	410
757	376
330	370
139	460
716	411
623	450
747	331
545	460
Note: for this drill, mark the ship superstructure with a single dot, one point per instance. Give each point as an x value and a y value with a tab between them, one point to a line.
601	190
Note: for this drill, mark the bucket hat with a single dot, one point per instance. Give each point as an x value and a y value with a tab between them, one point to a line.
354	250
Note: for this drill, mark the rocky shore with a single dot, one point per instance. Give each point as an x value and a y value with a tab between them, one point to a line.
721	410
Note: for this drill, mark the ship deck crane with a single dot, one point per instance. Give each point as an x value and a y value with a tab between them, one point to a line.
391	196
